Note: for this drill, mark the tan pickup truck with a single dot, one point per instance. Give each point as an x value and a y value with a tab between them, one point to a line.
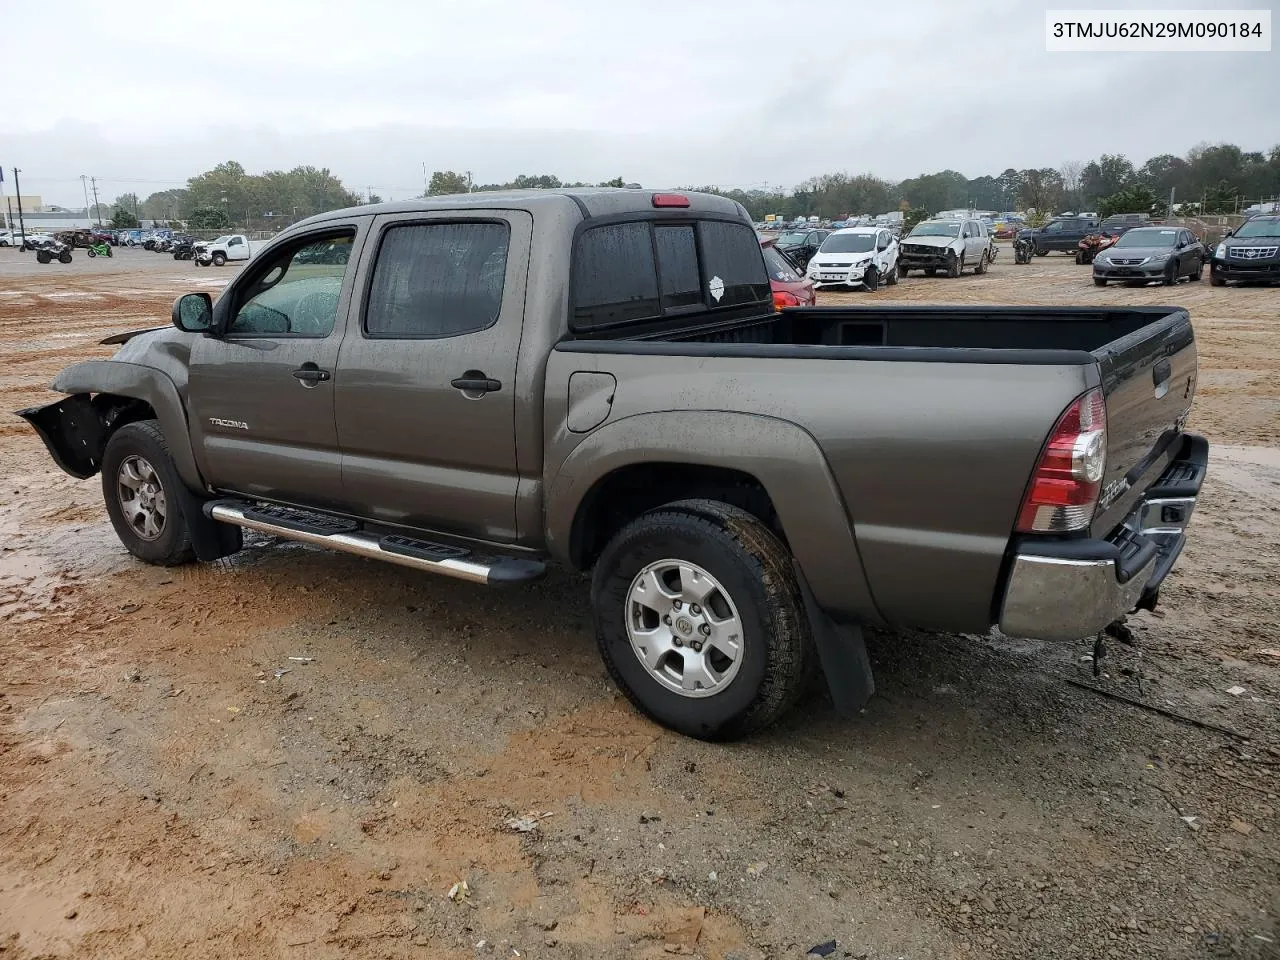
476	386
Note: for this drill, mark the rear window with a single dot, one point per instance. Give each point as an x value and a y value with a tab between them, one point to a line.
639	271
780	268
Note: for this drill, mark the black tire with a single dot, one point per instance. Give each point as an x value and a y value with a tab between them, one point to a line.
144	441
43	256
1198	272
64	256
902	271
954	264
219	259
1216	281
1170	274
981	268
1042	253
109	253
871	279
1099	282
778	657
891	278
90	252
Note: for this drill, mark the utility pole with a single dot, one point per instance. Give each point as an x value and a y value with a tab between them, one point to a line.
1172	191
469	184
426	181
97	207
17	188
84	185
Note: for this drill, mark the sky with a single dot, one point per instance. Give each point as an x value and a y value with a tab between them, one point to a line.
742	93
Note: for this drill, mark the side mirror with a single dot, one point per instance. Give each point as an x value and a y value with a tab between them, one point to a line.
193	313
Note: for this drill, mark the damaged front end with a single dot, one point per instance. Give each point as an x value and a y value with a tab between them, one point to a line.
75	429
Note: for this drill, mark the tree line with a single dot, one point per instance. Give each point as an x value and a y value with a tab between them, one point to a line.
1218	178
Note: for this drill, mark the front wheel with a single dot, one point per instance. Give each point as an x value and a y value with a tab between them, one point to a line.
981	268
140	486
219	259
902	271
871	279
64	256
91	252
1198	272
700	620
1099	282
1215	281
1170	274
954	265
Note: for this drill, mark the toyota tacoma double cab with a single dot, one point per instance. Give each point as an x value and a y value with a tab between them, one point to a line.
477	386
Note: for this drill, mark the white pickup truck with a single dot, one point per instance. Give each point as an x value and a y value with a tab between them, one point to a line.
217	252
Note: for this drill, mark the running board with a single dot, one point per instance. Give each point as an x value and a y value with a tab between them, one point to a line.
338	533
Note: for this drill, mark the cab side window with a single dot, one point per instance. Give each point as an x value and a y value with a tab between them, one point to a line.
436	280
296	293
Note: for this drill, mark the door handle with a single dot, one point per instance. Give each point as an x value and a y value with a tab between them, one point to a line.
310	373
1161	372
475	382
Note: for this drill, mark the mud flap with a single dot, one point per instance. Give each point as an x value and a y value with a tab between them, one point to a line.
843	654
210	539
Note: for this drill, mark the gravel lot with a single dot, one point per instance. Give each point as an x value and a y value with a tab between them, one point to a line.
175	783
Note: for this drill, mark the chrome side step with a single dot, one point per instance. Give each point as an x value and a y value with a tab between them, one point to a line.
449	561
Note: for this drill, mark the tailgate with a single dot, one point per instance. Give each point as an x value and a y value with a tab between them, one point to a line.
1149	379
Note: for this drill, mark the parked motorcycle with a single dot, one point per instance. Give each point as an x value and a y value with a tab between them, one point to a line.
99	248
1024	248
1092	245
49	250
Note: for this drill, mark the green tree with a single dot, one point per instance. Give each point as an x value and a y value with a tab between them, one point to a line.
444	182
123	218
911	217
1107	175
615	182
166	205
1135	198
542	181
1222	197
208	218
1041	189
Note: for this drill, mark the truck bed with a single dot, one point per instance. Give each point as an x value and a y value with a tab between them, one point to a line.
931	418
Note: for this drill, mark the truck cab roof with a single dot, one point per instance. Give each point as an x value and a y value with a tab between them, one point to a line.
590	202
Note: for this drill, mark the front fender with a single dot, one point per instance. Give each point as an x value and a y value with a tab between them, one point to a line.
782	456
139	383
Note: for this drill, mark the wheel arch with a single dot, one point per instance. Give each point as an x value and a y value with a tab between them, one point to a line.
103	396
772	468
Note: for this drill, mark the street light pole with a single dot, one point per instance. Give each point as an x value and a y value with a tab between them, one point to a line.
17	188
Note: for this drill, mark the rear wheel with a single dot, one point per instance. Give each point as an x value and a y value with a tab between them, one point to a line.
91	252
140	486
700	621
43	256
871	279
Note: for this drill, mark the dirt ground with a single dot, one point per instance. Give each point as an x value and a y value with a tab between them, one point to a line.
298	754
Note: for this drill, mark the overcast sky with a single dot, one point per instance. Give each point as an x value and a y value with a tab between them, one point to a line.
665	92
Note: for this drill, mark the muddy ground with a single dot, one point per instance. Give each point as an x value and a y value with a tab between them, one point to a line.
173	783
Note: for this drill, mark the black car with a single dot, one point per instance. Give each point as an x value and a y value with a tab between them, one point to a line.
1251	253
183	247
1063	234
801	245
1151	253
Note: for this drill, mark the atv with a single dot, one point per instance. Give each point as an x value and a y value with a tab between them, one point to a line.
1092	245
49	250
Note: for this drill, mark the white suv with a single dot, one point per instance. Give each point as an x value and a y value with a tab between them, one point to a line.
856	257
949	245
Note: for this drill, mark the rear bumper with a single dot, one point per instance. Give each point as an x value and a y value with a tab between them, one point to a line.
1070	589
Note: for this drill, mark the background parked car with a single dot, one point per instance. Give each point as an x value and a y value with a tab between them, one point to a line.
801	245
10	238
857	256
790	287
1151	253
1062	234
947	245
1251	253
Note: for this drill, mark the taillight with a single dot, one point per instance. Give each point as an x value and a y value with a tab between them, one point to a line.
1064	488
782	298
